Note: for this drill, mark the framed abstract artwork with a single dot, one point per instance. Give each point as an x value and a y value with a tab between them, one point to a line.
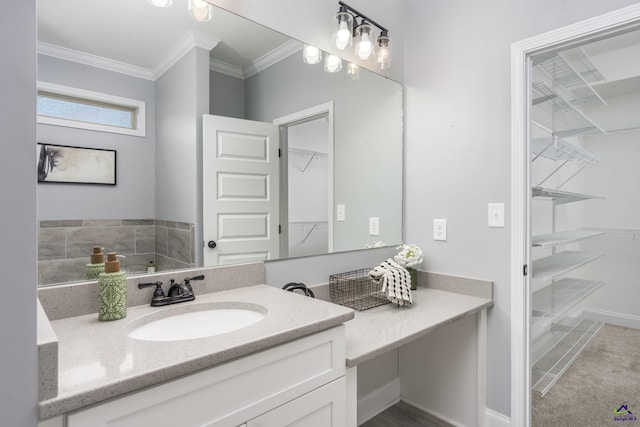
76	165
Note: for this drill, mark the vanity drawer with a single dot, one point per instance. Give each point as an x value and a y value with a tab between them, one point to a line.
229	394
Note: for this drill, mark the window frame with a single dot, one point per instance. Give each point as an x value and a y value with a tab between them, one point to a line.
99	99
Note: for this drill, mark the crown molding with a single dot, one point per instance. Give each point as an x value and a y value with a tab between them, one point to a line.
226	68
276	55
94	60
190	40
265	61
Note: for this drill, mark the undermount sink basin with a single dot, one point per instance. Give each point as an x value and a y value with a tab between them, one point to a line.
196	321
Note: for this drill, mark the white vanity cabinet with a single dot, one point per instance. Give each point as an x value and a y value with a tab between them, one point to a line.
300	383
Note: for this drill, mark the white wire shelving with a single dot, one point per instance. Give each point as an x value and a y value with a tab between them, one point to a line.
563	237
557	149
561	197
550	367
562	86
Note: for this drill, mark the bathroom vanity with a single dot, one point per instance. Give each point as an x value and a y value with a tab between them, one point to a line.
298	364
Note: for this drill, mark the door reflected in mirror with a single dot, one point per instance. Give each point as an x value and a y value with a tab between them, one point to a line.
349	159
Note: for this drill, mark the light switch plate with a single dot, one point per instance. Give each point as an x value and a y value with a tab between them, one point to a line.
340	213
374	226
496	215
440	229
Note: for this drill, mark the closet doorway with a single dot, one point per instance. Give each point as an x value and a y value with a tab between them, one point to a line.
576	216
307	180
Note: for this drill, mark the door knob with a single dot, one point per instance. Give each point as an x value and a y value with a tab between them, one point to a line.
212	244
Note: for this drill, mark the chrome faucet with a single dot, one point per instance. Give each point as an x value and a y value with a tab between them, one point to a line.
178	292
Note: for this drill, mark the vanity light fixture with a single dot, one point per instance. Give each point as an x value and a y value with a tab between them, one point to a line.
342	36
200	10
160	3
332	63
353	71
364	41
384	51
311	54
353	24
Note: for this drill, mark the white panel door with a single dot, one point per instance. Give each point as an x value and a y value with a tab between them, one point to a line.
241	175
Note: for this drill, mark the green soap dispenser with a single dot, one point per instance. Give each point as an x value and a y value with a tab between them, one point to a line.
112	290
93	270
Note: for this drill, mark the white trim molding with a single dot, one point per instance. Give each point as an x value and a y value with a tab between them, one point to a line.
276	55
521	52
309	113
611	318
265	61
94	60
378	400
226	68
496	419
190	40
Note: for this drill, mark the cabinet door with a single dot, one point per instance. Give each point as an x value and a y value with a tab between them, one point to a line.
325	406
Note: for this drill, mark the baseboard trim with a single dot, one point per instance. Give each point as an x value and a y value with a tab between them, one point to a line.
434	413
611	318
496	419
378	400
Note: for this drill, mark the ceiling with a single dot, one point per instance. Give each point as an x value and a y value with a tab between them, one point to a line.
617	59
136	33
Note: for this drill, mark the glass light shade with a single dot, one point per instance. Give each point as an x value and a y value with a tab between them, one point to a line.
342	36
364	41
332	64
160	3
384	52
311	55
200	10
353	71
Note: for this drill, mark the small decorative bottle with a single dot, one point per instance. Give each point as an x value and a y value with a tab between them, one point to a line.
93	270
151	267
112	290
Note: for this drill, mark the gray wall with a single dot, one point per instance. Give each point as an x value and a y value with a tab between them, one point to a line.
367	150
226	95
134	194
615	178
458	140
182	97
18	358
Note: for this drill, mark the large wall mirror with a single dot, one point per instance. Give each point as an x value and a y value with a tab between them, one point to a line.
337	185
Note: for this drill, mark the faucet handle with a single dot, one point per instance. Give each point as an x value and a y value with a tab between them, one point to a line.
200	277
189	279
158	293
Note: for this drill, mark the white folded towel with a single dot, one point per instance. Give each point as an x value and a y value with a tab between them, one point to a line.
396	281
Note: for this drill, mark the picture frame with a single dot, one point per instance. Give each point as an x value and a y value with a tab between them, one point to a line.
64	164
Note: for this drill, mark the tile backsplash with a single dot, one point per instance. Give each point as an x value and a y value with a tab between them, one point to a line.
64	246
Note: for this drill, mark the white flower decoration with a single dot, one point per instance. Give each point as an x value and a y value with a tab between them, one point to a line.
409	255
376	244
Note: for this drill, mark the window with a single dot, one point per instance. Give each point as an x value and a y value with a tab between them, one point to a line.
67	106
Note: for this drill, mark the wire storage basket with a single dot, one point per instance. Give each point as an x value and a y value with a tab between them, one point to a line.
356	290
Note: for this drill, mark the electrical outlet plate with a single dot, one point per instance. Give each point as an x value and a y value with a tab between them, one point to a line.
374	226
496	215
340	213
440	229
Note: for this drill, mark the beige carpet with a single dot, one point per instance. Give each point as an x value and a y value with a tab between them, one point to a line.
605	376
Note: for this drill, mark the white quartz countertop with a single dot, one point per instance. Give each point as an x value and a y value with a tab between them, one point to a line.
380	329
97	361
